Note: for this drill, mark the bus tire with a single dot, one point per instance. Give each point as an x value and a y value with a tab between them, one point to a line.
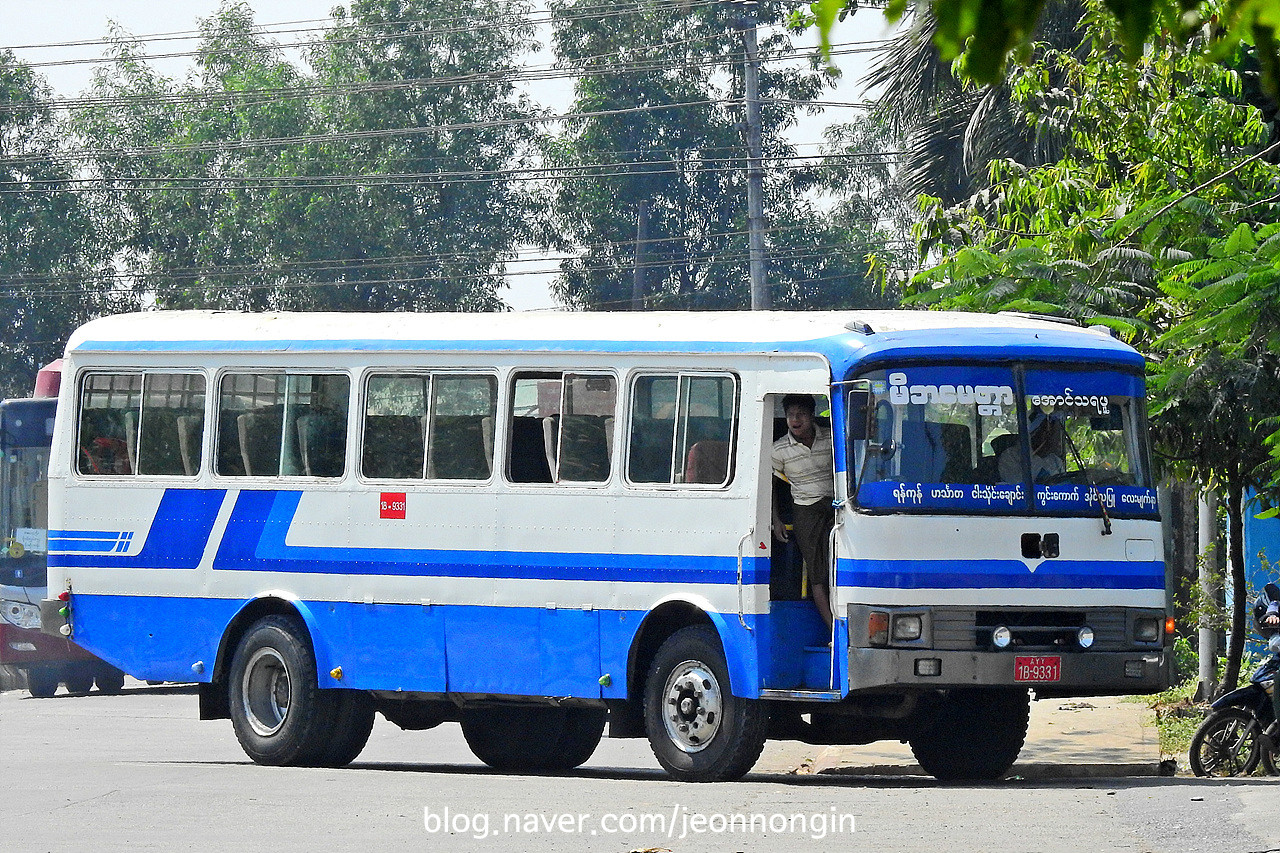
109	680
975	735
279	713
42	682
352	725
532	738
698	730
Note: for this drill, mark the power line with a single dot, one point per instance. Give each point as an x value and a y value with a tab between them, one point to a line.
38	286
406	32
517	174
521	75
584	12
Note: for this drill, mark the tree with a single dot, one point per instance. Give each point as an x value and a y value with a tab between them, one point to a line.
380	182
179	168
658	139
53	276
439	235
985	34
952	128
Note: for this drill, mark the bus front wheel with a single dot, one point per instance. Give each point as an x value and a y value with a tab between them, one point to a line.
698	730
279	713
975	735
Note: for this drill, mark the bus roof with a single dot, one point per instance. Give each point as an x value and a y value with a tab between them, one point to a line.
847	339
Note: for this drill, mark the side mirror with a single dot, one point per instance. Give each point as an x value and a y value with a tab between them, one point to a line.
861	417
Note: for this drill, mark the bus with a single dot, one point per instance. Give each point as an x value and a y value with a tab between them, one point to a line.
26	430
537	525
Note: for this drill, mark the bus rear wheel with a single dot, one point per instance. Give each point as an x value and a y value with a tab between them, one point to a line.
533	738
975	735
698	730
279	713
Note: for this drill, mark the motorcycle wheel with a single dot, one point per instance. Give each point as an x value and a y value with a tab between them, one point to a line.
1226	744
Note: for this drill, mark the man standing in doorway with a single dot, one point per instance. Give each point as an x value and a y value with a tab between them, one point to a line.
803	457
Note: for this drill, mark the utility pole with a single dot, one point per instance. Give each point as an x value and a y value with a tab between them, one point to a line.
755	166
639	285
1208	637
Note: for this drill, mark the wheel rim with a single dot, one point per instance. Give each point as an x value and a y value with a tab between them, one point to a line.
265	692
1226	751
692	707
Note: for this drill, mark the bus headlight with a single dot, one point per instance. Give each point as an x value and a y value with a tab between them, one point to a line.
1085	637
1001	637
1146	629
907	627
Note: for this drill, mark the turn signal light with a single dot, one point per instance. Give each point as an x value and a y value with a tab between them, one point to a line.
1169	625
878	628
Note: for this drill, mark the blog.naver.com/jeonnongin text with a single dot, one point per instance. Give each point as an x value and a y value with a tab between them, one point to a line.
675	823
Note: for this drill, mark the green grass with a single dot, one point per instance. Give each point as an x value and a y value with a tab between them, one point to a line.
1177	717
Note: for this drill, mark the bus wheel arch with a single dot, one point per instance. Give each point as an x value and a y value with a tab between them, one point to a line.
674	614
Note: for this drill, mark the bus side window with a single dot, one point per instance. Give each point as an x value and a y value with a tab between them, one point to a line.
395	426
562	428
110	405
171	432
682	430
585	441
272	425
461	434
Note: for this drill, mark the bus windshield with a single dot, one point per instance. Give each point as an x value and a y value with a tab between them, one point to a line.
1008	439
25	427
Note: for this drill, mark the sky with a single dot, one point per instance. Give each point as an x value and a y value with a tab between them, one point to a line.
24	24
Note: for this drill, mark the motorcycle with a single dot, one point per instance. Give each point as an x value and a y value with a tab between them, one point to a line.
1242	731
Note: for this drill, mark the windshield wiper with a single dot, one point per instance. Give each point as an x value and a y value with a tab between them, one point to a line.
1093	487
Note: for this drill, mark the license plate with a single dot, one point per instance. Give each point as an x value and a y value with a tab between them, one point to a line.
1041	668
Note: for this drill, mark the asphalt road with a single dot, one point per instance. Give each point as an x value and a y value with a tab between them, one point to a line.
138	771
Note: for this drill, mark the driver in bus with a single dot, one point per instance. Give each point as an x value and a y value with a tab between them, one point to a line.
1047	440
803	458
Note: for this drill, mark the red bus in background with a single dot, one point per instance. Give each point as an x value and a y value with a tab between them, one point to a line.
26	426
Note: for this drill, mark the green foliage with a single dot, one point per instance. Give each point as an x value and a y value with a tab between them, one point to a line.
982	35
53	271
256	185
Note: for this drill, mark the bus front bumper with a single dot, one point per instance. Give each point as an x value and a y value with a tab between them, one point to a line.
1049	674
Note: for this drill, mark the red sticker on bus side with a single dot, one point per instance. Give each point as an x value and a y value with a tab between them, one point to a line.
391	505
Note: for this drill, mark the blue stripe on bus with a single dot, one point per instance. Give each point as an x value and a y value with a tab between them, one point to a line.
999	574
254	540
88	545
176	538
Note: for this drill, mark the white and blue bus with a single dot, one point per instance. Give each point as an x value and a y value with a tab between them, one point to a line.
537	524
